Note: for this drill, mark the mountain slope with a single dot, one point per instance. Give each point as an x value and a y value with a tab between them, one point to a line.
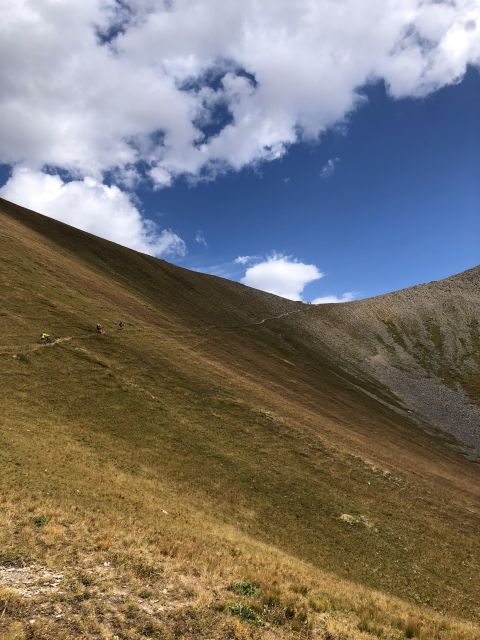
224	435
423	343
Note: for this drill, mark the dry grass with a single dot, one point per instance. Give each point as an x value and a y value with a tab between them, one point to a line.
155	467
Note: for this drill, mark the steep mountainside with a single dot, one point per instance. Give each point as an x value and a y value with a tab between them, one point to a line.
423	343
230	464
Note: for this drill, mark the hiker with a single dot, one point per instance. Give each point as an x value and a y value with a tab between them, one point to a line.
45	337
100	328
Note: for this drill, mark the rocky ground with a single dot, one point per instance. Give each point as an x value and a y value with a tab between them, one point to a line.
422	344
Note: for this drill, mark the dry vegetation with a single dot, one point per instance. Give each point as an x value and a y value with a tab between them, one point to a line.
201	475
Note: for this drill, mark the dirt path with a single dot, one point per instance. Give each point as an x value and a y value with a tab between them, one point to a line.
282	315
252	324
15	349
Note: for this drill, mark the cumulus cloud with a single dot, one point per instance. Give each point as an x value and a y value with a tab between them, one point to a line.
87	204
329	167
282	275
107	86
346	297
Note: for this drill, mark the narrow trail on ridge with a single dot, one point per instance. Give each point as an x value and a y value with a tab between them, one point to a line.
252	324
7	349
17	348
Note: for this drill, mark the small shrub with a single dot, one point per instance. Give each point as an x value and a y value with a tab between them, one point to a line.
301	589
131	611
40	521
318	605
146	571
10	559
371	627
412	629
151	630
244	612
289	613
271	600
278	619
243	588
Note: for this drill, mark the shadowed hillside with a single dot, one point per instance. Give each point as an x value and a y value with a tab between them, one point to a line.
230	464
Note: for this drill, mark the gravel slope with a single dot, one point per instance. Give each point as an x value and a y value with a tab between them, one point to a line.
422	343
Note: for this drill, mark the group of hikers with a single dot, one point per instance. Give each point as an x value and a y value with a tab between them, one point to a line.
45	338
101	329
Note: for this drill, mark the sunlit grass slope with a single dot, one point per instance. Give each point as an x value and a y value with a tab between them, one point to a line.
211	470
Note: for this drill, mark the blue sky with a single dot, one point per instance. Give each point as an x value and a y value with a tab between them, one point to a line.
335	147
401	207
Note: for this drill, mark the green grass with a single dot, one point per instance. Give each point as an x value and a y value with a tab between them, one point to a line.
244	612
243	588
396	334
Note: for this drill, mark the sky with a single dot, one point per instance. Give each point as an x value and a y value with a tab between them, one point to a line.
323	151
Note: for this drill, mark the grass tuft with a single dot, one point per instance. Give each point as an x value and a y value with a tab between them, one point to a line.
244	612
243	588
40	521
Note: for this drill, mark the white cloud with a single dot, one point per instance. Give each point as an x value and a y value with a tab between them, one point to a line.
244	259
200	238
329	167
346	297
90	105
281	275
89	205
160	177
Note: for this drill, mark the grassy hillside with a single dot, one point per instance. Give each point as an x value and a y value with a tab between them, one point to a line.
226	466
